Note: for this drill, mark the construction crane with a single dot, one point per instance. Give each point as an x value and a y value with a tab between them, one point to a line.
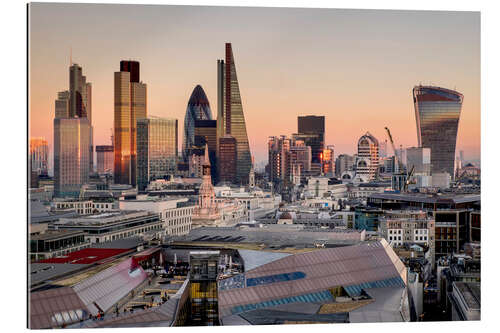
408	179
400	164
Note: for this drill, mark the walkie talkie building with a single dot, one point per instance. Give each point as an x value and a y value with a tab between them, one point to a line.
437	112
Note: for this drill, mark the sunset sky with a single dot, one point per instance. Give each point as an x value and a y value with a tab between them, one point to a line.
356	67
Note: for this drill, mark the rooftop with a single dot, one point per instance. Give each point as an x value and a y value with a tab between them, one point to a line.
471	293
428	198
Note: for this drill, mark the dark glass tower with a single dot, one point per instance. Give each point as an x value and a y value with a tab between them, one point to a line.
130	105
198	108
132	67
437	112
311	130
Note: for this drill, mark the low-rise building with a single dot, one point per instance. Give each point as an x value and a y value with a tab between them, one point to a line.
107	227
175	214
52	243
408	227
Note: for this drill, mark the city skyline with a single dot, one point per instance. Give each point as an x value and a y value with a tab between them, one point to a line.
330	75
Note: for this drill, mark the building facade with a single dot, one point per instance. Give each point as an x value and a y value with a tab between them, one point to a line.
343	163
175	214
437	112
328	161
311	130
198	108
228	159
105	158
232	121
156	149
62	104
205	133
408	227
39	152
71	155
107	227
130	103
367	160
80	103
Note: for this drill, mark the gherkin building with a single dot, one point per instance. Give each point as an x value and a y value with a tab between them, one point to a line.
198	108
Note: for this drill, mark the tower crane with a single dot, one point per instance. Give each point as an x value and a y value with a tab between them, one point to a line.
400	164
409	174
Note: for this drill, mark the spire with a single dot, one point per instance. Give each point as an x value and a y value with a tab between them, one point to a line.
207	159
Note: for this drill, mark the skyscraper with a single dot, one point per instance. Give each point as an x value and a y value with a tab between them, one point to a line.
73	149
71	155
130	105
311	130
437	112
231	119
39	152
80	103
279	158
156	149
367	161
198	108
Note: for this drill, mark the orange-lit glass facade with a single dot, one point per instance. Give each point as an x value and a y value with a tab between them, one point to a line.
130	105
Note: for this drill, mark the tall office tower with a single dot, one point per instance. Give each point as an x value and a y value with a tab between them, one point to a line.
71	155
80	103
279	158
343	163
328	161
105	158
233	122
207	130
311	130
367	161
198	108
228	155
420	159
300	154
156	149
437	112
39	152
130	106
62	104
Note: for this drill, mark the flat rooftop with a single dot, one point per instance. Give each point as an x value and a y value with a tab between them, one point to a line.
103	218
55	234
428	198
272	238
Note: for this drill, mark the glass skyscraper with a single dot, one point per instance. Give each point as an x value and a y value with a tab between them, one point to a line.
198	108
71	155
232	121
156	149
437	112
130	105
311	130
